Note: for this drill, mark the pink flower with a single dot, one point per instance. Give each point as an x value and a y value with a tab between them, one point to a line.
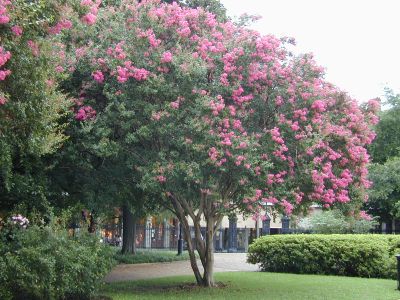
4	19
17	30
288	207
98	76
59	69
63	24
4	74
364	215
85	113
140	74
318	106
213	154
175	104
156	116
161	178
89	19
166	57
3	100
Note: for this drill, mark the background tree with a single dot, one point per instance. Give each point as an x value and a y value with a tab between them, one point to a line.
387	142
384	195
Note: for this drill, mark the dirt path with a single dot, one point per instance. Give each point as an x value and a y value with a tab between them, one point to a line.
224	262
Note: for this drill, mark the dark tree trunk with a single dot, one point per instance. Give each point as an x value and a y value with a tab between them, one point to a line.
129	231
191	249
208	277
203	244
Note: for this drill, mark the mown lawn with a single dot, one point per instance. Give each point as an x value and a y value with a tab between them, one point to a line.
257	285
150	256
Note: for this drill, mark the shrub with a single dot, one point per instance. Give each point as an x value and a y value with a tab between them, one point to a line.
347	255
333	221
41	263
329	222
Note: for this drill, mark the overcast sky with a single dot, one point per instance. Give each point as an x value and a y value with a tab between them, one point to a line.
358	42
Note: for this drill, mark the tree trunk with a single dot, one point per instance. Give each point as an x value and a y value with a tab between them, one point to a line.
192	256
208	277
129	231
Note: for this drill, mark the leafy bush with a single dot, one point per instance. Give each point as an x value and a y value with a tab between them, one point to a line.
333	221
347	255
328	222
41	263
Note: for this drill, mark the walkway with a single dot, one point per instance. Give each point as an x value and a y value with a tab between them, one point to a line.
224	262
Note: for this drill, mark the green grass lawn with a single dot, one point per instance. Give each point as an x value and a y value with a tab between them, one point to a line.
257	285
150	256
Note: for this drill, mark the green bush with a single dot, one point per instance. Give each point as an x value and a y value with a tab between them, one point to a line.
41	263
333	221
348	255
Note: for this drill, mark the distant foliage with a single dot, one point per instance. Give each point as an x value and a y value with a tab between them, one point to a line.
328	222
347	255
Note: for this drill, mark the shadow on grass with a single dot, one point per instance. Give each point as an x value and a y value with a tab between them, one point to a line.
160	288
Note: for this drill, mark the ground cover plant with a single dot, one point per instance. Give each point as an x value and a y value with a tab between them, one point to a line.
150	256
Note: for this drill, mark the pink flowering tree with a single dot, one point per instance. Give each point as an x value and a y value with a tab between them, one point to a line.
218	119
33	110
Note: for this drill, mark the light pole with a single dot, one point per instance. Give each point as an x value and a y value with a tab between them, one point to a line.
398	271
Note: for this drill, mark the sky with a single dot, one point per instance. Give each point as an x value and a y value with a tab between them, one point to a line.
356	41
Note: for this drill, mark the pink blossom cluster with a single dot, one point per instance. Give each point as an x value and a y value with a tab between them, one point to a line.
118	51
4	17
85	113
161	178
4	57
98	76
130	71
365	216
61	25
93	6
166	57
17	30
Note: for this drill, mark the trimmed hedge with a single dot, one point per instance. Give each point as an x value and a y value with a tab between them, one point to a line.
361	255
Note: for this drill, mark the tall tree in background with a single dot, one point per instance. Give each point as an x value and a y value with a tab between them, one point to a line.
384	196
387	142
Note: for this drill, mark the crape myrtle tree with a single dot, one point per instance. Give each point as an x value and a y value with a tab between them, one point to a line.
219	119
92	168
33	111
31	108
